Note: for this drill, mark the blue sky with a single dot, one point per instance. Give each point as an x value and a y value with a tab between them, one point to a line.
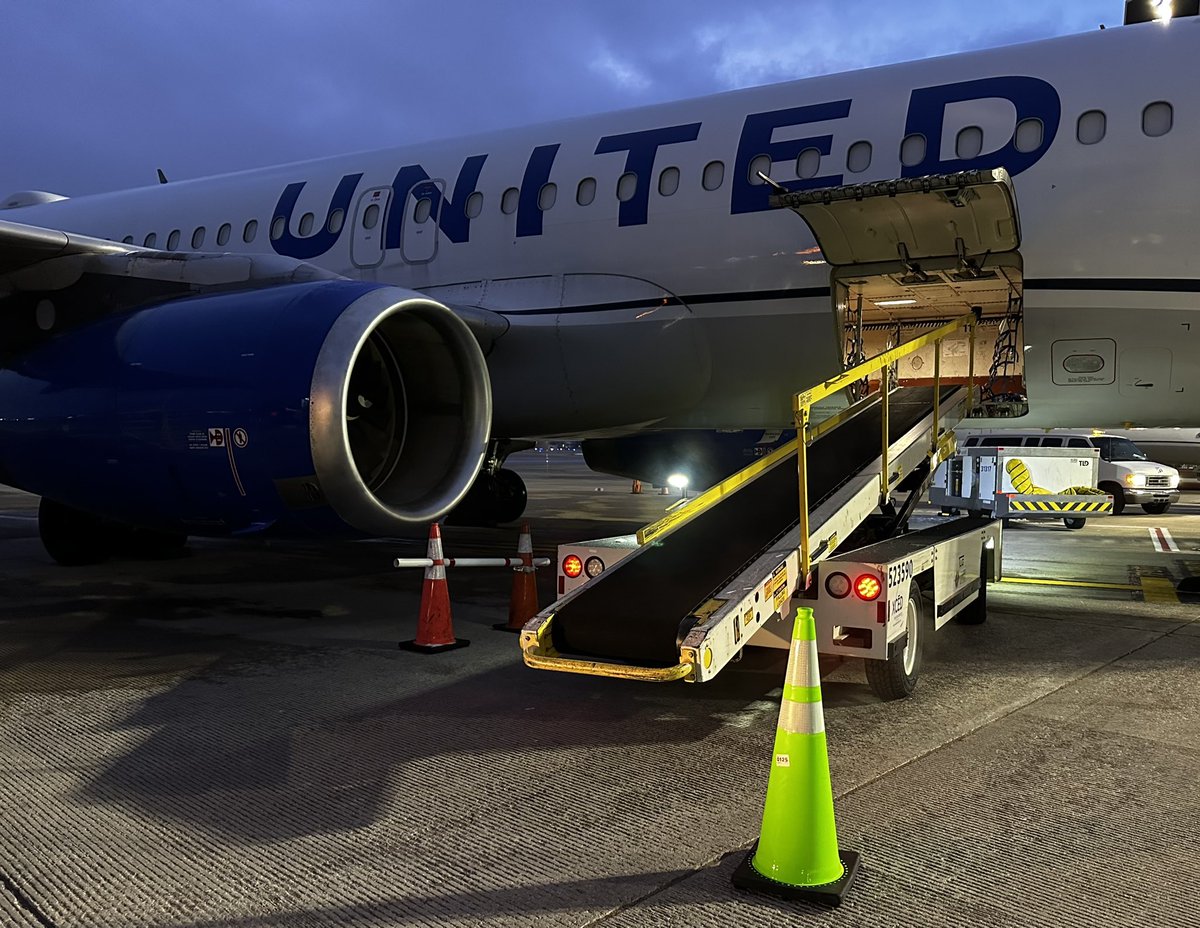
101	94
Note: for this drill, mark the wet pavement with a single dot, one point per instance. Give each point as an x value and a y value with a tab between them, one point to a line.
233	739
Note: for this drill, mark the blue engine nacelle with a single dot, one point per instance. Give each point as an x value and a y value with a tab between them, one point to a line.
297	406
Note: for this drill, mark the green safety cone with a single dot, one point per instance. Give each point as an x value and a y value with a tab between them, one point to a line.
796	855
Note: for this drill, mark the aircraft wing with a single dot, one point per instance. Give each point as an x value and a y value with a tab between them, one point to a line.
22	245
73	269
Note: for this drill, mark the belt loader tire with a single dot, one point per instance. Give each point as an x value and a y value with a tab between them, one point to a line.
896	677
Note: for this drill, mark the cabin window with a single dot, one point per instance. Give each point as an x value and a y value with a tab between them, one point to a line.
969	143
223	234
422	210
1029	135
173	240
474	205
127	240
627	186
858	157
1091	127
151	240
278	227
250	232
714	175
668	182
808	163
336	220
1157	119
198	238
508	202
370	218
912	150
585	193
761	164
546	196
306	223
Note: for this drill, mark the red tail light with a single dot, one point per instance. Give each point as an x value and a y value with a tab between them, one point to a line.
572	566
867	587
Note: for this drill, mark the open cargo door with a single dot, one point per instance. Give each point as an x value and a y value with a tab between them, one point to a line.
910	253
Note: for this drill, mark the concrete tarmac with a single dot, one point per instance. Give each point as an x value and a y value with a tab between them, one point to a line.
233	740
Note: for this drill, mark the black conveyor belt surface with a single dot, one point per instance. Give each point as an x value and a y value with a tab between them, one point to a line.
634	612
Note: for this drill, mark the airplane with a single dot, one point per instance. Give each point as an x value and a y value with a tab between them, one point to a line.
358	343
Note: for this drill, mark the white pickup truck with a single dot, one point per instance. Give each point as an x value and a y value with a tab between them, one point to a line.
1124	470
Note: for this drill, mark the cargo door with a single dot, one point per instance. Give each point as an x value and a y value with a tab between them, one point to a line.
970	215
911	253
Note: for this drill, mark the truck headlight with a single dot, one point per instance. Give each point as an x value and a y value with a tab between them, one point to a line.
1135	480
1173	481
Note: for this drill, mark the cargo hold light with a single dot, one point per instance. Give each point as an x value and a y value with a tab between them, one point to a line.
867	587
895	302
572	566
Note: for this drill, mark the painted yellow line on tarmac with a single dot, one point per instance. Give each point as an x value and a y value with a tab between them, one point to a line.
1159	590
1083	583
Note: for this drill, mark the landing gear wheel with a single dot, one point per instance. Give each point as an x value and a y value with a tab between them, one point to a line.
1117	495
493	498
72	537
1074	523
976	613
1156	509
896	677
511	497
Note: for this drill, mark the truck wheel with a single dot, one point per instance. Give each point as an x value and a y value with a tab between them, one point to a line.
1074	523
976	613
1117	495
1156	509
896	677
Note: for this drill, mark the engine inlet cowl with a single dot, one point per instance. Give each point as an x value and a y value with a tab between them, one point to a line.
400	411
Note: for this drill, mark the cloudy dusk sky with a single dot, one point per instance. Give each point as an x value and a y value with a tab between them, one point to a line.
102	94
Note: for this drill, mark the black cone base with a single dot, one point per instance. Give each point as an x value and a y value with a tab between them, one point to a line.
433	648
503	627
746	877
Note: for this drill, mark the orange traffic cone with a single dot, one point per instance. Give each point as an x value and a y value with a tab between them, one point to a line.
435	631
523	605
637	487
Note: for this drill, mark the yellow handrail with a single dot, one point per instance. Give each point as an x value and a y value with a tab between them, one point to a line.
536	644
803	402
538	652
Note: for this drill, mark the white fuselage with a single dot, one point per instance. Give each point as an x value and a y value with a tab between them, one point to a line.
1107	248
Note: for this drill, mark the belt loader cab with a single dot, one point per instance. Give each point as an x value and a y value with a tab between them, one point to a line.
1124	471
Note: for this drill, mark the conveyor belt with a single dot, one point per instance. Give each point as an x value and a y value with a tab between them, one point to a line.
633	613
